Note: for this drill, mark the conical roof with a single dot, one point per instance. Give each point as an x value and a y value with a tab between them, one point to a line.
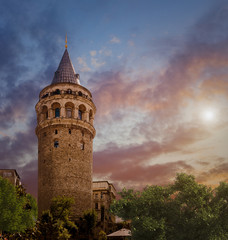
65	72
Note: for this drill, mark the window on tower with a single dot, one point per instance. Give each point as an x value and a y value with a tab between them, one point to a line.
56	144
69	112
82	146
69	91
44	112
57	91
80	114
91	116
55	107
57	113
69	107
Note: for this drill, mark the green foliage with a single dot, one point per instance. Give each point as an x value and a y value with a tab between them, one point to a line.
18	209
183	210
55	223
61	207
90	216
102	235
89	222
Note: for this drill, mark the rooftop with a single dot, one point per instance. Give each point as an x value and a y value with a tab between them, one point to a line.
65	72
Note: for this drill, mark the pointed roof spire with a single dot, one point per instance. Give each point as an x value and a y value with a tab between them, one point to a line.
65	72
66	42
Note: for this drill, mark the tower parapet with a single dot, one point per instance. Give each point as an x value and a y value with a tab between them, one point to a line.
65	131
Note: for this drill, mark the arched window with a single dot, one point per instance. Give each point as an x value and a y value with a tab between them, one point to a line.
69	91
57	92
80	93
91	116
69	106
56	143
57	113
56	110
44	113
82	146
68	112
80	114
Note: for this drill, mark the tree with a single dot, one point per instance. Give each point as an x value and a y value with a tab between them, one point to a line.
18	211
89	220
183	210
55	223
102	235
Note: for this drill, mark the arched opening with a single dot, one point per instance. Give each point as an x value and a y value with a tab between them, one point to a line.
56	144
69	106
45	95
91	116
56	92
82	145
81	112
80	93
56	110
44	112
69	91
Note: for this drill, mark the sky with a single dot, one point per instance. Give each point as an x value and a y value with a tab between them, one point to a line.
158	73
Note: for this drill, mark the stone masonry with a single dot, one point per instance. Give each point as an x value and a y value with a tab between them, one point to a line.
65	114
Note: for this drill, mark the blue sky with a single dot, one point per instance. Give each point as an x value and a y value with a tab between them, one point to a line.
158	73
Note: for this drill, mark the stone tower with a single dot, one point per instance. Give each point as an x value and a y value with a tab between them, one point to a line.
65	132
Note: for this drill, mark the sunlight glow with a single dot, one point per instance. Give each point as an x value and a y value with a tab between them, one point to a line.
208	115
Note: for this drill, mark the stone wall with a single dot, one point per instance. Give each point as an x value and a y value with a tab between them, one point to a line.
65	147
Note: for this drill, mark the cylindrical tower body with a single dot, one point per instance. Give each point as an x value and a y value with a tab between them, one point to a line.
65	114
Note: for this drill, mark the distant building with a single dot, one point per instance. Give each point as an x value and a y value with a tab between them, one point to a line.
103	195
11	175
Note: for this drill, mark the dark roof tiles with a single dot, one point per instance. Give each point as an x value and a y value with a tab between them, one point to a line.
65	72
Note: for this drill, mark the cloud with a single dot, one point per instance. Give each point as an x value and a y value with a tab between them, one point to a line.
131	43
15	151
93	53
194	73
115	40
215	174
95	63
126	167
83	67
17	104
135	163
106	52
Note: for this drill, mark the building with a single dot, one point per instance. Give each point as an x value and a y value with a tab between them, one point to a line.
65	114
103	195
11	175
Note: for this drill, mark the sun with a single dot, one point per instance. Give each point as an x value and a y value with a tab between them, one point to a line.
208	115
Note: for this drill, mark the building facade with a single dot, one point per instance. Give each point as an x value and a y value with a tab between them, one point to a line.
65	114
11	175
104	193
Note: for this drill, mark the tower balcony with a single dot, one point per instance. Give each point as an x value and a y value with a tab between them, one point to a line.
66	122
